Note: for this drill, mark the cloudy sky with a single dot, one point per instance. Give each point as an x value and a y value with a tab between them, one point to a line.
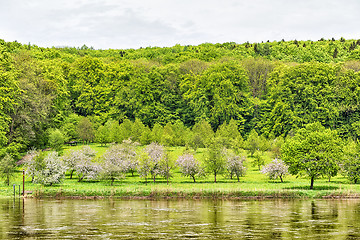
123	24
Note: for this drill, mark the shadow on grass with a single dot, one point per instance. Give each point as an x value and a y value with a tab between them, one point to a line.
315	188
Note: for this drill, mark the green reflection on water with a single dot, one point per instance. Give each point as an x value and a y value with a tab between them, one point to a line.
179	219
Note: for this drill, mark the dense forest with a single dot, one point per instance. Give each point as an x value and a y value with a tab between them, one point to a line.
273	88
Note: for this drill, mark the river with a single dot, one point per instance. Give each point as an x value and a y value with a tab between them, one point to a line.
179	219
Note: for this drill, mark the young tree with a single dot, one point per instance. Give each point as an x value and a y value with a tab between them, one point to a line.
276	169
254	143
189	166
235	165
202	134
85	130
351	162
145	166
258	160
125	130
165	166
215	161
230	135
7	168
56	140
313	151
102	135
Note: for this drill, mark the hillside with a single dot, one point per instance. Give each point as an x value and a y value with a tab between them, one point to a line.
272	87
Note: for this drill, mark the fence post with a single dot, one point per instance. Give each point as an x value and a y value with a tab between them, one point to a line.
23	184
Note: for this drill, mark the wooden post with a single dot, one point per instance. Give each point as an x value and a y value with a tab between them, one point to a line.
23	183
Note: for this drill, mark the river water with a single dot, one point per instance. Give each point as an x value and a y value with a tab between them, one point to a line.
179	219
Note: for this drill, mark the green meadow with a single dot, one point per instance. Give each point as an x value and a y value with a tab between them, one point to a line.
253	185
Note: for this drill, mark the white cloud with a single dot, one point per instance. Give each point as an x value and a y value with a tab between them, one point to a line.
140	23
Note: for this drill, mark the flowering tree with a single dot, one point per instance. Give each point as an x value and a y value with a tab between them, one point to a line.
71	159
153	161
53	171
276	169
34	163
119	159
86	167
189	166
235	165
129	150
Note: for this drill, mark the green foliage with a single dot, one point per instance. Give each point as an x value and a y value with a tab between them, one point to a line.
202	134
314	151
351	162
85	130
56	140
164	94
230	135
7	168
215	161
102	135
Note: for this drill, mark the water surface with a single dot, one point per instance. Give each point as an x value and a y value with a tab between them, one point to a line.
179	219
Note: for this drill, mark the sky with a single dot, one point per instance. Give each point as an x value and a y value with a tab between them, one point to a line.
124	24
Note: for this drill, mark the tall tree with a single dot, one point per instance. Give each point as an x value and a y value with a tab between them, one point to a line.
313	152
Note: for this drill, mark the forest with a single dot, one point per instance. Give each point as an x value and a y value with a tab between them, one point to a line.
273	88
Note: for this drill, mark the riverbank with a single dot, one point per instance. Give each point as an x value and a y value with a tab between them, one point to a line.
178	188
196	195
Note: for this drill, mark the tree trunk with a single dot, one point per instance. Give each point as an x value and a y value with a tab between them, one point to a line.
238	178
329	178
71	173
312	183
215	176
81	178
154	178
281	178
193	177
112	181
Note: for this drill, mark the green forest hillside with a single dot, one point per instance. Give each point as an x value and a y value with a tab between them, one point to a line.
272	87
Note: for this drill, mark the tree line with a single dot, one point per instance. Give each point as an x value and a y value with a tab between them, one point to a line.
273	88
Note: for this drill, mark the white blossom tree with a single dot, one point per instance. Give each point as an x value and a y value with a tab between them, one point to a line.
52	172
34	163
153	162
276	169
119	159
71	159
189	166
235	165
86	168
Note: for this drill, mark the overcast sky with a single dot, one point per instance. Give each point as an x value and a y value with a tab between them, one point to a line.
123	24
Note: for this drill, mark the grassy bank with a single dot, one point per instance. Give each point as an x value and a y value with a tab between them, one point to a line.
253	185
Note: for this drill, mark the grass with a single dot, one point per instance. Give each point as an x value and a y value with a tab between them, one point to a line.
253	185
